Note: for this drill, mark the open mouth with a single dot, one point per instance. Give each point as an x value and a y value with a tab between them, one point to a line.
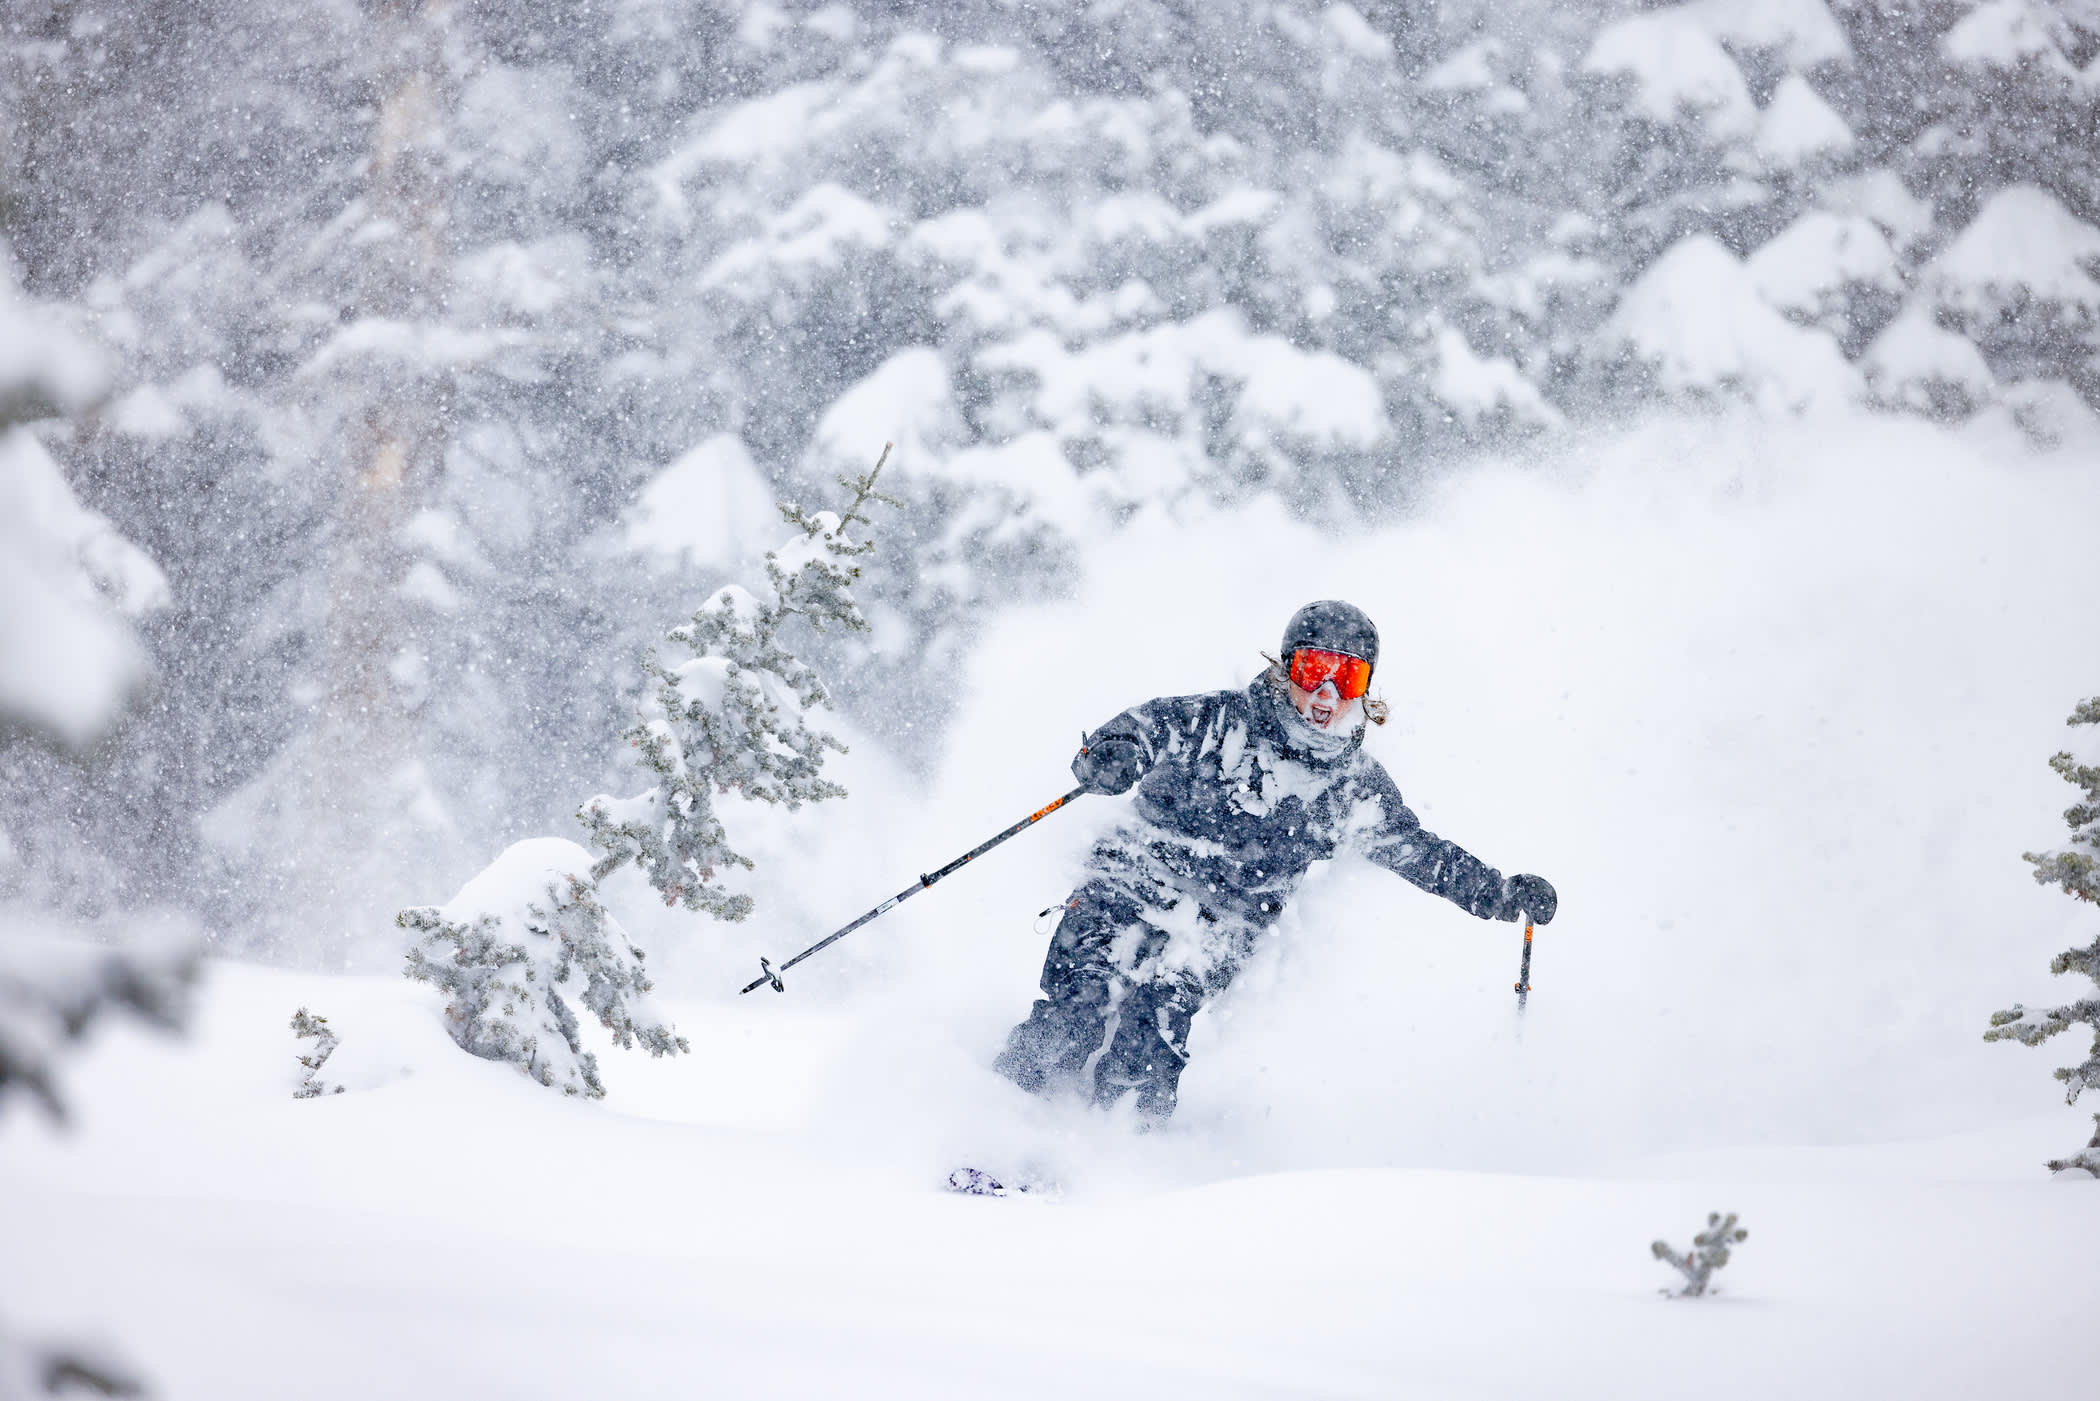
1320	712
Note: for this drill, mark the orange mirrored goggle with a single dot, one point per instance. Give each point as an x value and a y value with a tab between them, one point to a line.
1312	667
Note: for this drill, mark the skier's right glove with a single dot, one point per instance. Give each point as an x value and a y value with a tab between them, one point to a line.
1109	766
1533	895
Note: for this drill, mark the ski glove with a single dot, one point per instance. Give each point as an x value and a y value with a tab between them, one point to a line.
1109	766
1531	894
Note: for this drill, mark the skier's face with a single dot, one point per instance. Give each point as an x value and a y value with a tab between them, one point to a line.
1324	709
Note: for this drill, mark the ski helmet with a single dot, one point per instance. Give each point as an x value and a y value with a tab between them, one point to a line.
1333	626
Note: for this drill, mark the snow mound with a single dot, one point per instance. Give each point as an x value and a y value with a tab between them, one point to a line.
1880	195
1162	407
1677	67
68	658
2022	247
815	235
1800	33
705	509
1478	388
1916	363
2016	34
1698	319
906	401
44	367
1799	126
1478	70
1808	266
2047	414
1678	63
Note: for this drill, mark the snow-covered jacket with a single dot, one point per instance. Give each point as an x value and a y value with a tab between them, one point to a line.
1235	801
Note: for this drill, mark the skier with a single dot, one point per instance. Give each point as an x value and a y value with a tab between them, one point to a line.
1238	792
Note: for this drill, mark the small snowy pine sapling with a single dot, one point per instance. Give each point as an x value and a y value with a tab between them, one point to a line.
733	716
2078	875
508	946
305	1024
1709	1252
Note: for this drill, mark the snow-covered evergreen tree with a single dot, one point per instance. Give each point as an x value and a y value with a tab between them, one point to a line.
516	946
410	302
2077	874
732	714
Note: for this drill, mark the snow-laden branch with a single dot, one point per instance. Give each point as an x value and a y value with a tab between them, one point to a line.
2073	872
733	713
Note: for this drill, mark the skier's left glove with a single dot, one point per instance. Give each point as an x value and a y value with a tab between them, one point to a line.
1531	894
1109	766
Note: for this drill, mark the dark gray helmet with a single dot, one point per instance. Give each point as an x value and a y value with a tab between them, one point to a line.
1334	626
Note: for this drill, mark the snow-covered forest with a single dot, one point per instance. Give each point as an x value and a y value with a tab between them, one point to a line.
396	397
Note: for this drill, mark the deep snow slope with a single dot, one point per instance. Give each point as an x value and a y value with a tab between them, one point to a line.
1770	705
446	1229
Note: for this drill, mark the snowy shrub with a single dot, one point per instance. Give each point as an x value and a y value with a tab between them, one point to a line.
2075	872
1709	1252
1699	328
732	716
306	1025
1916	363
508	946
2018	281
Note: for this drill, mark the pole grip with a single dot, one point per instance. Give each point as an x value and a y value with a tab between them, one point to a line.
1524	971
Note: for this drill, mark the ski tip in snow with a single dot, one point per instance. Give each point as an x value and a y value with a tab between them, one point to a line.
975	1182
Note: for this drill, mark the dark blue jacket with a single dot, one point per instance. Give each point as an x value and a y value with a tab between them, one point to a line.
1234	804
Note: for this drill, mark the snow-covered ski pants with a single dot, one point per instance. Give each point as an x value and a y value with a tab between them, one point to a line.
1103	1028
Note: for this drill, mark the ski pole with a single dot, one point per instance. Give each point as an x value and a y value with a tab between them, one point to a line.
769	974
1524	972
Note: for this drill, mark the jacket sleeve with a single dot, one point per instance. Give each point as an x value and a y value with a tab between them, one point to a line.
1389	833
1157	727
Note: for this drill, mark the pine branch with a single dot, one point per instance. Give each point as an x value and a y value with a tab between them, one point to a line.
835	528
863	489
2088	1160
